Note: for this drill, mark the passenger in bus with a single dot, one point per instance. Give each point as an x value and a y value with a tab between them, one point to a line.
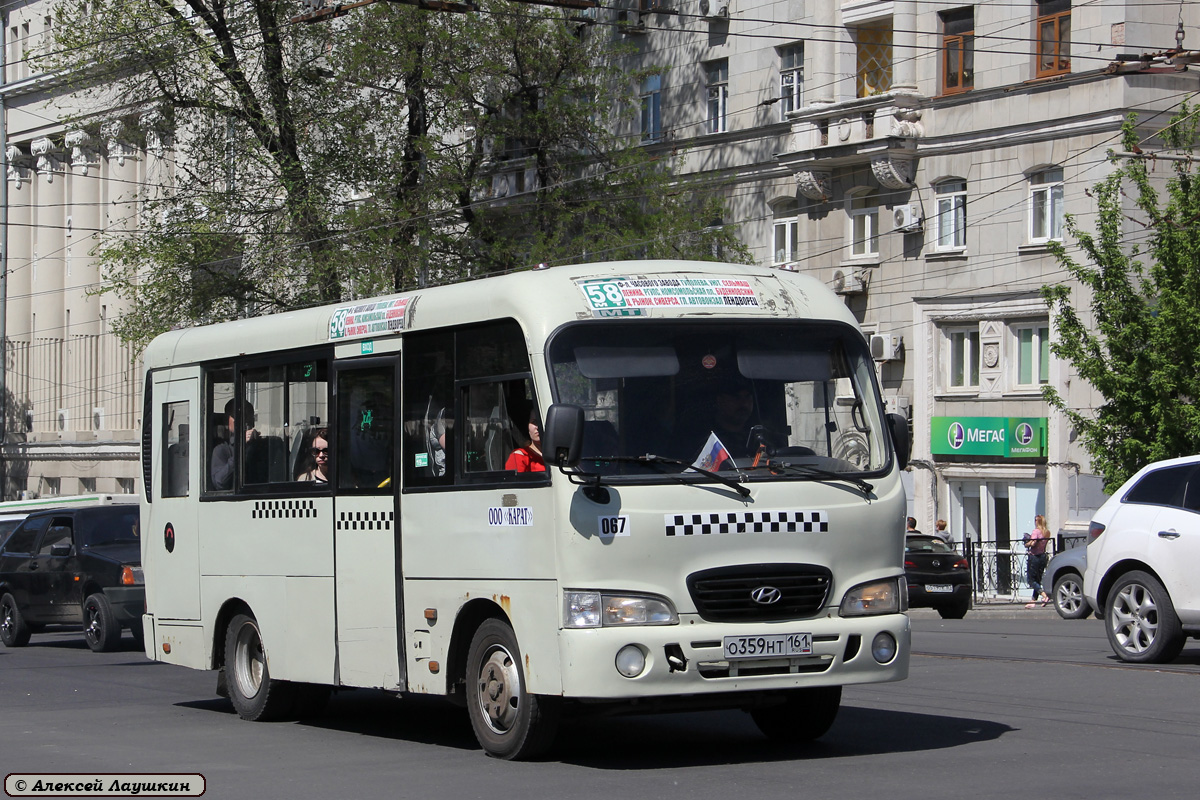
529	457
222	456
318	463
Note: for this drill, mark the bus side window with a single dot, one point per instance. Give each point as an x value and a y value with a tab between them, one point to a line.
429	417
364	432
175	447
218	439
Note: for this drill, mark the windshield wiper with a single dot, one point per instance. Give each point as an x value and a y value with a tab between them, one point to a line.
659	461
817	473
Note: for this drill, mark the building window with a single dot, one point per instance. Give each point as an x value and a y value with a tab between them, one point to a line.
791	79
53	486
1045	205
125	485
962	345
950	224
1053	37
874	59
1033	354
87	485
958	50
864	225
652	108
787	236
718	95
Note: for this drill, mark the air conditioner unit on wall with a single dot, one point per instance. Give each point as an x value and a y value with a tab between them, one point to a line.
907	217
847	281
63	417
714	9
886	347
97	419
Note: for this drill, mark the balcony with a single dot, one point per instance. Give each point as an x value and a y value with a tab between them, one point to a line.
881	130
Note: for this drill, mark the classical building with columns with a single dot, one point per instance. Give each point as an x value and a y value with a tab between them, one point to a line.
72	388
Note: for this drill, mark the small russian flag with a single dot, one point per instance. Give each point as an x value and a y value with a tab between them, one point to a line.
713	456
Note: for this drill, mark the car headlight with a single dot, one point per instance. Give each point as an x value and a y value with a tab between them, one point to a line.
597	610
132	576
887	596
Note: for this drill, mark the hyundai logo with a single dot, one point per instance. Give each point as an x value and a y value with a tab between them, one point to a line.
937	562
766	595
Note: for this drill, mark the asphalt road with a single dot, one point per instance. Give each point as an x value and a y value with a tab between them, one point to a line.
997	705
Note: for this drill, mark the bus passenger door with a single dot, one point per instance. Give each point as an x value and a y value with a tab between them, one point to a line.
171	540
366	533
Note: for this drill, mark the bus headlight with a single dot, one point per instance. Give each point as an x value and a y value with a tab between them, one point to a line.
875	597
596	610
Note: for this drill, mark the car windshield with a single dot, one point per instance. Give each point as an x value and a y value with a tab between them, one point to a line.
788	400
926	544
107	526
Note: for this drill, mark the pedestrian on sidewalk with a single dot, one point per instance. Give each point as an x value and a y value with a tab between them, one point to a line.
1035	568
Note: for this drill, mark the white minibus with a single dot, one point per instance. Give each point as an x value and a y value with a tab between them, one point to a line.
639	485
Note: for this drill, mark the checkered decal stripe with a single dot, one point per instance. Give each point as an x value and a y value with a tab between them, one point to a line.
284	509
365	520
746	522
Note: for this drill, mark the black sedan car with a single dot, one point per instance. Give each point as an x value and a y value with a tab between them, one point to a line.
938	576
77	567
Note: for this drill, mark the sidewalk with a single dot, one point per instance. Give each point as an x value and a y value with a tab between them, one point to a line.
999	608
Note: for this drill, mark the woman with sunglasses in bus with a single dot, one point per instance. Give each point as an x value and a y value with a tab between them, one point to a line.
318	458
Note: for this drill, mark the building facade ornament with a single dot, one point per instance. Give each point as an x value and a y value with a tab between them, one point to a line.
48	155
116	141
158	134
813	184
906	122
892	172
84	152
18	165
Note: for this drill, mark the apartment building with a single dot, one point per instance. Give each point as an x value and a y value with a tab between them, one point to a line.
919	157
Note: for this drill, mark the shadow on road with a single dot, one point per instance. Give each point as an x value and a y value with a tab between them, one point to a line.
661	741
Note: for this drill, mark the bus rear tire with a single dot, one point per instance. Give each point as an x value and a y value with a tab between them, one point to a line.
804	715
509	722
254	694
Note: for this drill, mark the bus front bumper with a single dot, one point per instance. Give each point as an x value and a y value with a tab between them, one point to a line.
690	658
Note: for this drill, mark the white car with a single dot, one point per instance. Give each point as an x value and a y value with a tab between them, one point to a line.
1143	562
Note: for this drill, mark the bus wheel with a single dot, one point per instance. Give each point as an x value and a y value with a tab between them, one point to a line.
14	632
805	714
100	627
255	696
509	722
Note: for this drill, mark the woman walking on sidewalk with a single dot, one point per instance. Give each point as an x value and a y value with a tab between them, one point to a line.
1035	547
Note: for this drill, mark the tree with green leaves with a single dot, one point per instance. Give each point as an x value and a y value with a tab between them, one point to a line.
364	155
1140	346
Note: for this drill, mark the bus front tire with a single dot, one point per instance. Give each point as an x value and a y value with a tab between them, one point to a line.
509	722
804	715
254	694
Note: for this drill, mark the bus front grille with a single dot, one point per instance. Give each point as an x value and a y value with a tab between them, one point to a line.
759	592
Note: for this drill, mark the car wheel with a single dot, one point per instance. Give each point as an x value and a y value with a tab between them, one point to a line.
805	714
254	694
1068	597
956	610
1140	620
13	630
509	722
100	627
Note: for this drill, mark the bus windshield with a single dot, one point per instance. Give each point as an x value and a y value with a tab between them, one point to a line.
774	401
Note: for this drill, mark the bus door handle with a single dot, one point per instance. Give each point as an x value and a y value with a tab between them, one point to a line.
1171	534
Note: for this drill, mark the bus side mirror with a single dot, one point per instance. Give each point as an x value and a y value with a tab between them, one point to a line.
562	434
900	438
